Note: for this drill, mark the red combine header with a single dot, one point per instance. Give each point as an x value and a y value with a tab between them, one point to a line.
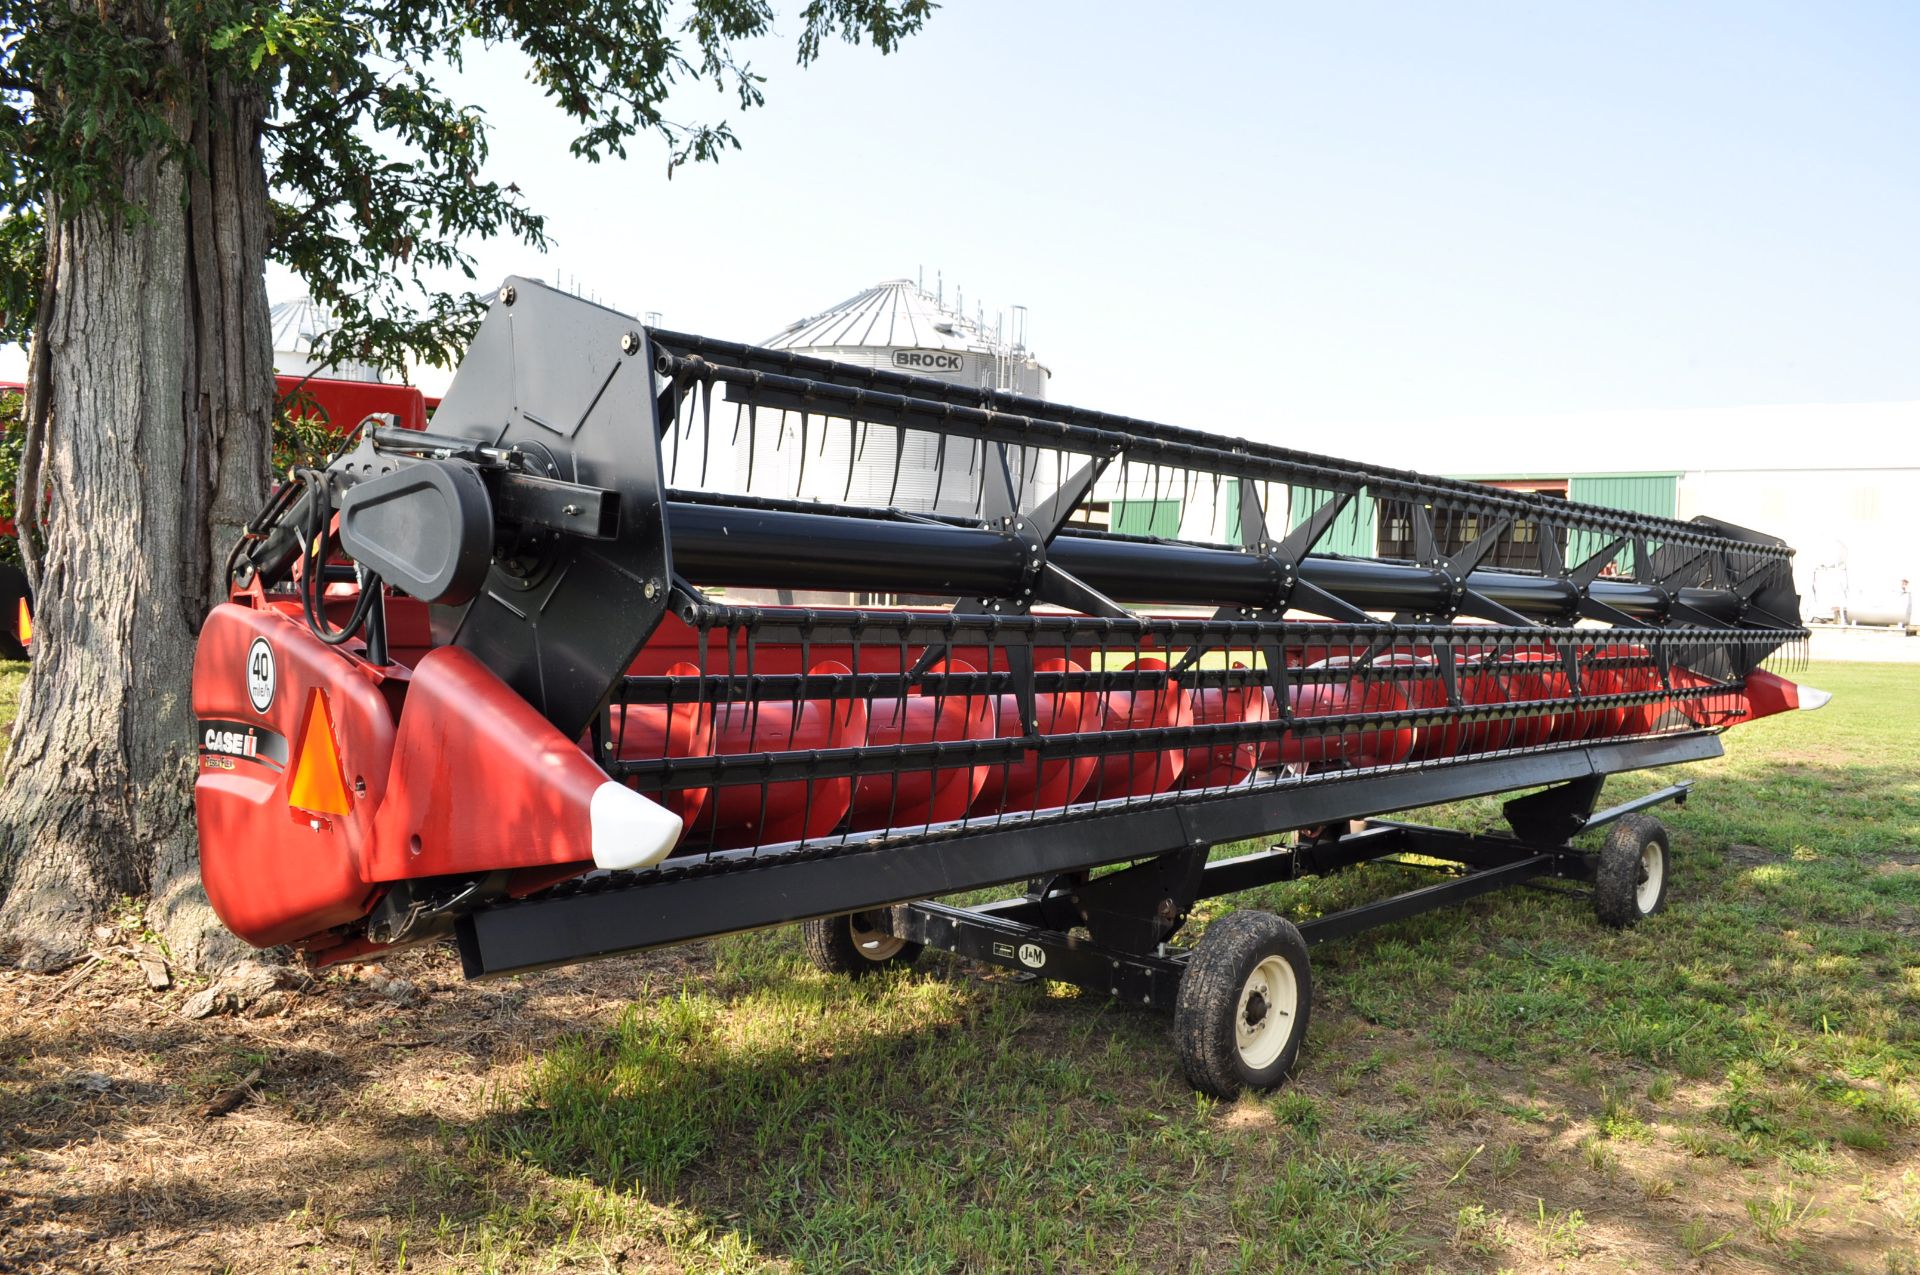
16	607
613	658
338	404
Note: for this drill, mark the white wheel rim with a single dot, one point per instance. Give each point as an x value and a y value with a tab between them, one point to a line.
1263	1020
875	945
1653	874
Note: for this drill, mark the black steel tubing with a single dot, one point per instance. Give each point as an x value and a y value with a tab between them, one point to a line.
1401	906
919	402
714	544
840	624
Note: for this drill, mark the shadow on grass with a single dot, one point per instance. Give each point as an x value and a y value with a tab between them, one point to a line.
835	1125
106	1150
925	1122
910	1126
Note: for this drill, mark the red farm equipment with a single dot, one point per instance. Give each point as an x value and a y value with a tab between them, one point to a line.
338	404
614	658
341	404
16	606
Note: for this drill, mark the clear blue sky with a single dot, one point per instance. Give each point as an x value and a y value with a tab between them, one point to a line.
1335	212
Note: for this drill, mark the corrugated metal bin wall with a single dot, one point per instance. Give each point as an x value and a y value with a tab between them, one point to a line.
1657	494
1352	531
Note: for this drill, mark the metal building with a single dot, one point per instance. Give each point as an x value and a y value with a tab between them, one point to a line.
898	324
1838	481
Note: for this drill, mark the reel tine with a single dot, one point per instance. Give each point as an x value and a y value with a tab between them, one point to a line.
800	473
856	442
899	460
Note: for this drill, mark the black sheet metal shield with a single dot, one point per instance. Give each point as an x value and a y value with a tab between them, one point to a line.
426	528
570	384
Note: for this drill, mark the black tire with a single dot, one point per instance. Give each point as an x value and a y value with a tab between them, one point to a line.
1630	880
852	946
1222	1014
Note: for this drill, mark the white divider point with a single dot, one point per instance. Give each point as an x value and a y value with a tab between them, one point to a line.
629	831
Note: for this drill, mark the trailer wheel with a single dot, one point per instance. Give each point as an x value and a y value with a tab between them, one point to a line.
1241	1012
1630	881
854	946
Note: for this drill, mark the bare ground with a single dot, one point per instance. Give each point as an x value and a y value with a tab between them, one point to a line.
111	1157
335	1127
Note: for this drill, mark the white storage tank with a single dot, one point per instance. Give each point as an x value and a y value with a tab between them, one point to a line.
297	325
900	326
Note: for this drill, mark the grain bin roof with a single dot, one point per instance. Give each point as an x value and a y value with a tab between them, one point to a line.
896	313
298	323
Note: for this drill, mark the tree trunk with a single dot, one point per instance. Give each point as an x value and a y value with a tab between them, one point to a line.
156	354
228	415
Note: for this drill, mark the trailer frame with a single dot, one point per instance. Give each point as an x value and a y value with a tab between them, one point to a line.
1134	911
1017	933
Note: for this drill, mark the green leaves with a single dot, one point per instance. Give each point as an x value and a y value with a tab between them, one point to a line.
378	175
258	33
22	250
302	433
883	25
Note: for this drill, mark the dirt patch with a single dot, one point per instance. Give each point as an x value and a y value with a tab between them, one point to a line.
1752	856
284	1136
1248	1116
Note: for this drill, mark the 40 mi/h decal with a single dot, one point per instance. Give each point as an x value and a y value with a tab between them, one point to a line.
261	675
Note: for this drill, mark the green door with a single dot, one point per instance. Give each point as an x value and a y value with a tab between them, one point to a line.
1351	532
1656	494
1147	517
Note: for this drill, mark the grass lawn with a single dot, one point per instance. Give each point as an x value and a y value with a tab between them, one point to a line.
1734	1085
13	675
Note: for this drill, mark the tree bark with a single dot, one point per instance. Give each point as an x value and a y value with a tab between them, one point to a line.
228	412
158	393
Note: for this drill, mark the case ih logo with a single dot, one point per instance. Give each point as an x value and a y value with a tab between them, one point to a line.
242	740
233	743
929	360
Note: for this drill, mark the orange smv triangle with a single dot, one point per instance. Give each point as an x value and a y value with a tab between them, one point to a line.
24	628
317	785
